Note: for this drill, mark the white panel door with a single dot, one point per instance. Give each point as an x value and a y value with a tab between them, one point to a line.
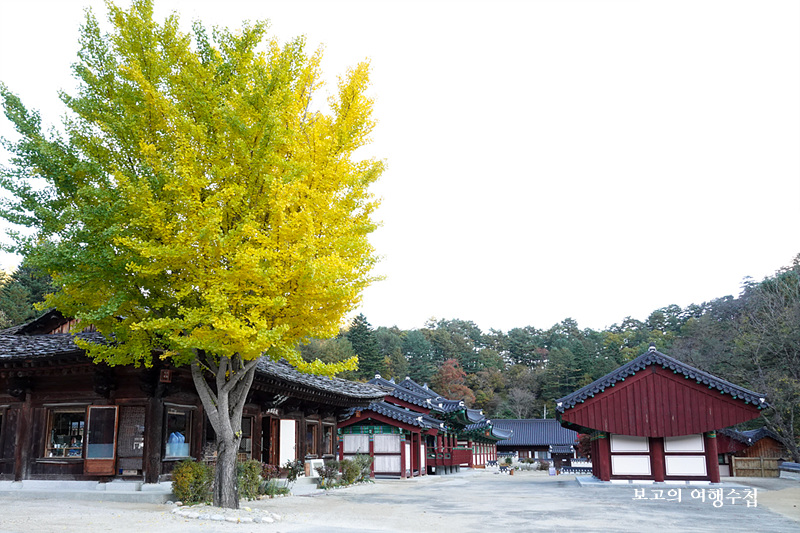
356	444
630	465
387	464
387	443
684	443
685	465
627	443
288	443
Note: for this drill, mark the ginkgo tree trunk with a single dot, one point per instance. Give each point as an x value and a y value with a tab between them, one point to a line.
199	206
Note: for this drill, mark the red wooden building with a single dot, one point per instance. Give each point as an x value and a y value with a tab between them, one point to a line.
656	418
416	431
64	417
748	443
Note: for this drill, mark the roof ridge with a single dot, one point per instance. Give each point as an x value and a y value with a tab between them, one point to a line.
651	357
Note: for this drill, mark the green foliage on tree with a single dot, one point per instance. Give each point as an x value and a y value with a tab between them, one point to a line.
365	344
419	352
20	292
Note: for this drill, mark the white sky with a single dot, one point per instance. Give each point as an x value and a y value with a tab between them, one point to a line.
546	159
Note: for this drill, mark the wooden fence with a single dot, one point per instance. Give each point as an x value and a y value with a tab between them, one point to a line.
754	467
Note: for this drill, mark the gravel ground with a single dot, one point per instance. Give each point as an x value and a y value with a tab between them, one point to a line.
472	501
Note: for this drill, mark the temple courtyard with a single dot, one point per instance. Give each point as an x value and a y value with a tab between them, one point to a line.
469	501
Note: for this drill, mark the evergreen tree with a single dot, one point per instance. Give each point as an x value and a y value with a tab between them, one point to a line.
365	345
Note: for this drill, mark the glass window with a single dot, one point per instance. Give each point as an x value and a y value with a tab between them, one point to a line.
178	431
311	439
246	445
327	440
65	432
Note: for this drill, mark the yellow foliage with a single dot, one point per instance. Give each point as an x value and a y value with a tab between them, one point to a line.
211	209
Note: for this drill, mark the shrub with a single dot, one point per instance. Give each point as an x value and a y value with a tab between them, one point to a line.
328	474
363	463
544	465
350	471
191	481
273	487
293	470
248	476
269	472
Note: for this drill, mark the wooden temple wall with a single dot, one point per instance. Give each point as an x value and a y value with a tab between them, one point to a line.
44	428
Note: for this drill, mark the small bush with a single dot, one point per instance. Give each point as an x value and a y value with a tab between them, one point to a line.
293	470
363	462
270	472
544	465
328	474
248	476
350	471
191	482
273	488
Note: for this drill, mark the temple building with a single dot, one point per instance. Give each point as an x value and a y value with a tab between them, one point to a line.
543	439
656	418
64	417
415	431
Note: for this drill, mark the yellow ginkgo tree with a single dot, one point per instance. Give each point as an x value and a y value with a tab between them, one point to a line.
199	206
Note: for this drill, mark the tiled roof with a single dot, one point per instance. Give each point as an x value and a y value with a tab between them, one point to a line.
412	385
750	436
496	432
25	347
283	370
535	432
409	391
401	393
475	415
43	346
401	414
561	450
654	357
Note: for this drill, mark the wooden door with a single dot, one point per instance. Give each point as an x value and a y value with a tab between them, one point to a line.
101	440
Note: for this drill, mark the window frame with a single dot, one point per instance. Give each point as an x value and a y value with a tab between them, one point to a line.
188	410
3	423
312	444
51	410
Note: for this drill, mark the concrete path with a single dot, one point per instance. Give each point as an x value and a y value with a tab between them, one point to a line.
471	501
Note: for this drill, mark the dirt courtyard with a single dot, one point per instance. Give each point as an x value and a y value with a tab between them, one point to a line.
471	501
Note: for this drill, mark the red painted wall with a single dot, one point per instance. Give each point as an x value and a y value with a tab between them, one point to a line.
659	403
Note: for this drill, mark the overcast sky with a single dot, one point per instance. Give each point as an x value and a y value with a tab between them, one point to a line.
545	159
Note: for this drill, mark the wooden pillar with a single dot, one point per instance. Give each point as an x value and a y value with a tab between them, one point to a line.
603	457
153	431
22	444
657	459
712	461
257	437
402	456
470	445
341	448
372	454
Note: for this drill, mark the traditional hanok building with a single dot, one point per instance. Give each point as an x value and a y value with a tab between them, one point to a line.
656	418
64	417
416	431
750	443
538	438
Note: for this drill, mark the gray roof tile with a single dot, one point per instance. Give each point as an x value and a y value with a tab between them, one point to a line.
535	432
654	357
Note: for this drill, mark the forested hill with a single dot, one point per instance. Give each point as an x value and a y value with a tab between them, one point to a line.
752	340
